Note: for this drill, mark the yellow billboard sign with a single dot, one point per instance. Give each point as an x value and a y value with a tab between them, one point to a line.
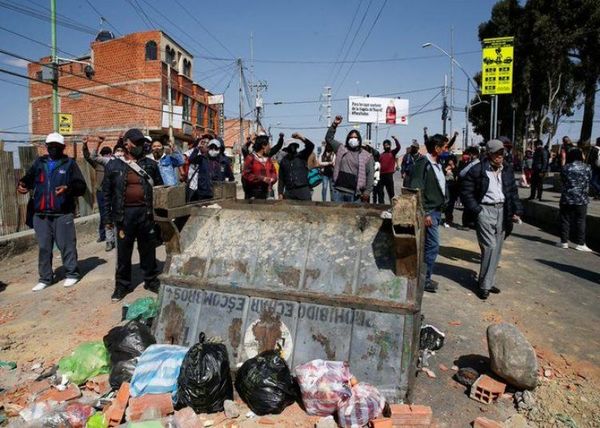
497	66
65	123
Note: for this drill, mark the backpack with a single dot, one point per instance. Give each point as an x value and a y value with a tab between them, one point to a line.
314	177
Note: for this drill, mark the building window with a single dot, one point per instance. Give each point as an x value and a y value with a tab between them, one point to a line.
200	115
187	68
151	50
170	56
211	119
186	108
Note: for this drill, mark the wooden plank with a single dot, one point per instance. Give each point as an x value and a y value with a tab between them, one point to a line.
8	195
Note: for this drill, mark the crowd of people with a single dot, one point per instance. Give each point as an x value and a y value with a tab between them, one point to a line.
349	171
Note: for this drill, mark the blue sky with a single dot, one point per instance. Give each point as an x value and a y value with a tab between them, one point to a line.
310	30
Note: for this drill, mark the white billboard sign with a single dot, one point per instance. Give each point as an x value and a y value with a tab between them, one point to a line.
176	118
216	99
391	111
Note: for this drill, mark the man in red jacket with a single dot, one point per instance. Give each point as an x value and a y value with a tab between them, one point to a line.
387	162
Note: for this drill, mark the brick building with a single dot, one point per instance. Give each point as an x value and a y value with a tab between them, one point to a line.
231	132
134	70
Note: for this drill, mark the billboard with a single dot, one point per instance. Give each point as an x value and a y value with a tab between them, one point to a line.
497	66
391	111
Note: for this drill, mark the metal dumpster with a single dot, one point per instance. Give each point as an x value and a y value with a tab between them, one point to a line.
320	280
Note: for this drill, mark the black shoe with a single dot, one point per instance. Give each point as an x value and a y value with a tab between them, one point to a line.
100	239
118	295
531	198
431	286
483	294
109	246
495	290
153	287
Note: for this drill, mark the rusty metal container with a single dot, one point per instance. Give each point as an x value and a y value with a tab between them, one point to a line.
320	280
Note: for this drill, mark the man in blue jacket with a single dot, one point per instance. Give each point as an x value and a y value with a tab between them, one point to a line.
56	182
169	159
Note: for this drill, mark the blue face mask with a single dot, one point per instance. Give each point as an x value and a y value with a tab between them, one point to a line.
445	155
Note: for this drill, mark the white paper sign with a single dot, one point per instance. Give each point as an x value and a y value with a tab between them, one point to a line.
391	111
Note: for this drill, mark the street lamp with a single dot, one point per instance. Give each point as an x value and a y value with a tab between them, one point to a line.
470	81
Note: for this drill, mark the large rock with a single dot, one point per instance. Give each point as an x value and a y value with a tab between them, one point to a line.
511	356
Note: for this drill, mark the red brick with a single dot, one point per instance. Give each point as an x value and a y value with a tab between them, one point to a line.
482	422
411	415
116	411
485	389
71	392
266	421
382	423
163	403
99	384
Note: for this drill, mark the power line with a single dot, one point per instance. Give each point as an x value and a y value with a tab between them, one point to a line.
360	61
102	18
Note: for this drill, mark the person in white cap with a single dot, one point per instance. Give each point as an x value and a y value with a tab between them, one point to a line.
219	165
56	182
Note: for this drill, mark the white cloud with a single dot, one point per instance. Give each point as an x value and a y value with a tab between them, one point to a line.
15	62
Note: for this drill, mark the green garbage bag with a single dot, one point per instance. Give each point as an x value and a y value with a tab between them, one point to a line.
86	361
143	308
97	420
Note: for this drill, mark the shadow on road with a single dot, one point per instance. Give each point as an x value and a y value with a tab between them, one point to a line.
3	286
474	361
533	238
588	275
455	254
85	267
137	275
465	277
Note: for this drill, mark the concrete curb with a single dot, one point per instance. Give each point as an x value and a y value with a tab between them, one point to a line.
547	217
18	243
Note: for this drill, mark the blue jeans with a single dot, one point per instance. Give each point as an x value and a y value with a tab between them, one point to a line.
327	184
432	243
345	197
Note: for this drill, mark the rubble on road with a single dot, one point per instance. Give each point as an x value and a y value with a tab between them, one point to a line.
486	390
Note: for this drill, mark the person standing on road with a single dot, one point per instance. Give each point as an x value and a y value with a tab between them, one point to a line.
575	177
354	167
259	171
489	191
219	165
127	185
98	162
293	169
198	184
428	176
327	163
408	162
387	162
566	146
56	182
538	170
168	158
593	160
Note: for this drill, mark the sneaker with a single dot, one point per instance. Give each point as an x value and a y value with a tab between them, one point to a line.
446	224
118	295
495	290
109	246
431	286
583	248
40	286
562	244
100	239
70	282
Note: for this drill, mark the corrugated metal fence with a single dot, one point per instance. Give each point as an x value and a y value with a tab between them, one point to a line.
13	206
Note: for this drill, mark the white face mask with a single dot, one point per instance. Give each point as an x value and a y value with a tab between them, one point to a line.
213	153
119	154
353	142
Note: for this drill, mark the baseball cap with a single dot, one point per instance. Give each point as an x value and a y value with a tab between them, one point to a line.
415	143
55	137
291	141
214	142
494	146
134	135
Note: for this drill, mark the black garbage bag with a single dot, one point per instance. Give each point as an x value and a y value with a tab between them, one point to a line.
125	344
204	381
431	338
266	384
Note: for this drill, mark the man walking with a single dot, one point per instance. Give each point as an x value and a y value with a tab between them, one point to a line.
387	162
128	186
428	176
56	182
489	191
539	169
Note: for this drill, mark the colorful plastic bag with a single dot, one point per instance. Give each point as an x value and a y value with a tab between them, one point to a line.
86	361
143	308
157	370
365	404
324	385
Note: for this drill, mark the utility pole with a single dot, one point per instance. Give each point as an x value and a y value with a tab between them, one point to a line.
452	76
467	109
239	62
170	98
445	106
327	104
55	107
259	87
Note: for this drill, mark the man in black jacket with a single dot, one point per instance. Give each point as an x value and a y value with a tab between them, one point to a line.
128	186
489	191
293	170
541	157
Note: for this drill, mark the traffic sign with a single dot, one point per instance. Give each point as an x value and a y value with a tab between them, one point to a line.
65	123
497	66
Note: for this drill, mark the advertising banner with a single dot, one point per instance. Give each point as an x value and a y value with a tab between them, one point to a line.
391	111
497	66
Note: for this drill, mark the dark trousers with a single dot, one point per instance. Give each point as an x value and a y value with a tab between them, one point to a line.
387	181
58	229
378	193
136	227
102	209
572	222
453	194
537	184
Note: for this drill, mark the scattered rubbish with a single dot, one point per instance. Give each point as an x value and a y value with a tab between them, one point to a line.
485	389
157	370
547	373
323	384
524	400
411	415
431	338
365	403
443	367
382	423
204	381
511	356
454	368
125	344
87	360
455	323
265	384
250	415
386	215
10	365
186	418
566	420
97	420
77	414
149	406
38	410
116	411
466	376
143	308
60	395
231	409
429	373
482	422
326	422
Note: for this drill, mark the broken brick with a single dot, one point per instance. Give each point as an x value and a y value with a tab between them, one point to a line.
53	394
411	415
443	368
482	422
99	384
41	386
266	421
485	389
187	418
162	404
115	412
382	423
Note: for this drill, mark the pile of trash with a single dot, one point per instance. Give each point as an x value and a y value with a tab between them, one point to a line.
129	380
